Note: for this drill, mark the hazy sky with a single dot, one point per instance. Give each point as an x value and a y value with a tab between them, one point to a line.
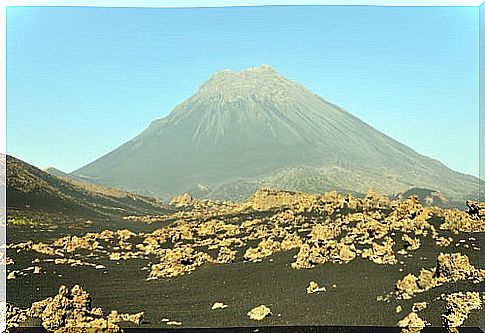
82	81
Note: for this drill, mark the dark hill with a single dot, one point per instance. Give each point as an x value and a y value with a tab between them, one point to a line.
29	188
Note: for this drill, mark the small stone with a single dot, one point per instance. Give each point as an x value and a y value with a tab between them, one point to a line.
218	305
314	288
259	312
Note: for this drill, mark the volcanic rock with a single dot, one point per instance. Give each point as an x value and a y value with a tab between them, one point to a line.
14	316
218	305
314	288
476	208
259	312
412	323
182	200
178	261
455	267
69	310
407	286
13	275
420	306
458	306
116	317
265	248
226	255
459	221
411	243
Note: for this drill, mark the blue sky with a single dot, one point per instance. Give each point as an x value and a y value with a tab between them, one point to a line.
81	81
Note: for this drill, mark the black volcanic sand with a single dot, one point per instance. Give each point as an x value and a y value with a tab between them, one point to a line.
242	286
49	227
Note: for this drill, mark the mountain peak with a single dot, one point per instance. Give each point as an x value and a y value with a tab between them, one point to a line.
262	82
263	69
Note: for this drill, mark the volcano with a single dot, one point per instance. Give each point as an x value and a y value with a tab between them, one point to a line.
243	130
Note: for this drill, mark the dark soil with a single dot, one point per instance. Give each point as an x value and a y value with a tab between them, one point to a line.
242	286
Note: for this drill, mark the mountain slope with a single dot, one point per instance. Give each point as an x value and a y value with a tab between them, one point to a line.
241	130
56	172
29	188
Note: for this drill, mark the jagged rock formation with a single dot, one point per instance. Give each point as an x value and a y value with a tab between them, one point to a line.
412	323
450	267
207	232
457	220
245	130
458	307
68	311
476	209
